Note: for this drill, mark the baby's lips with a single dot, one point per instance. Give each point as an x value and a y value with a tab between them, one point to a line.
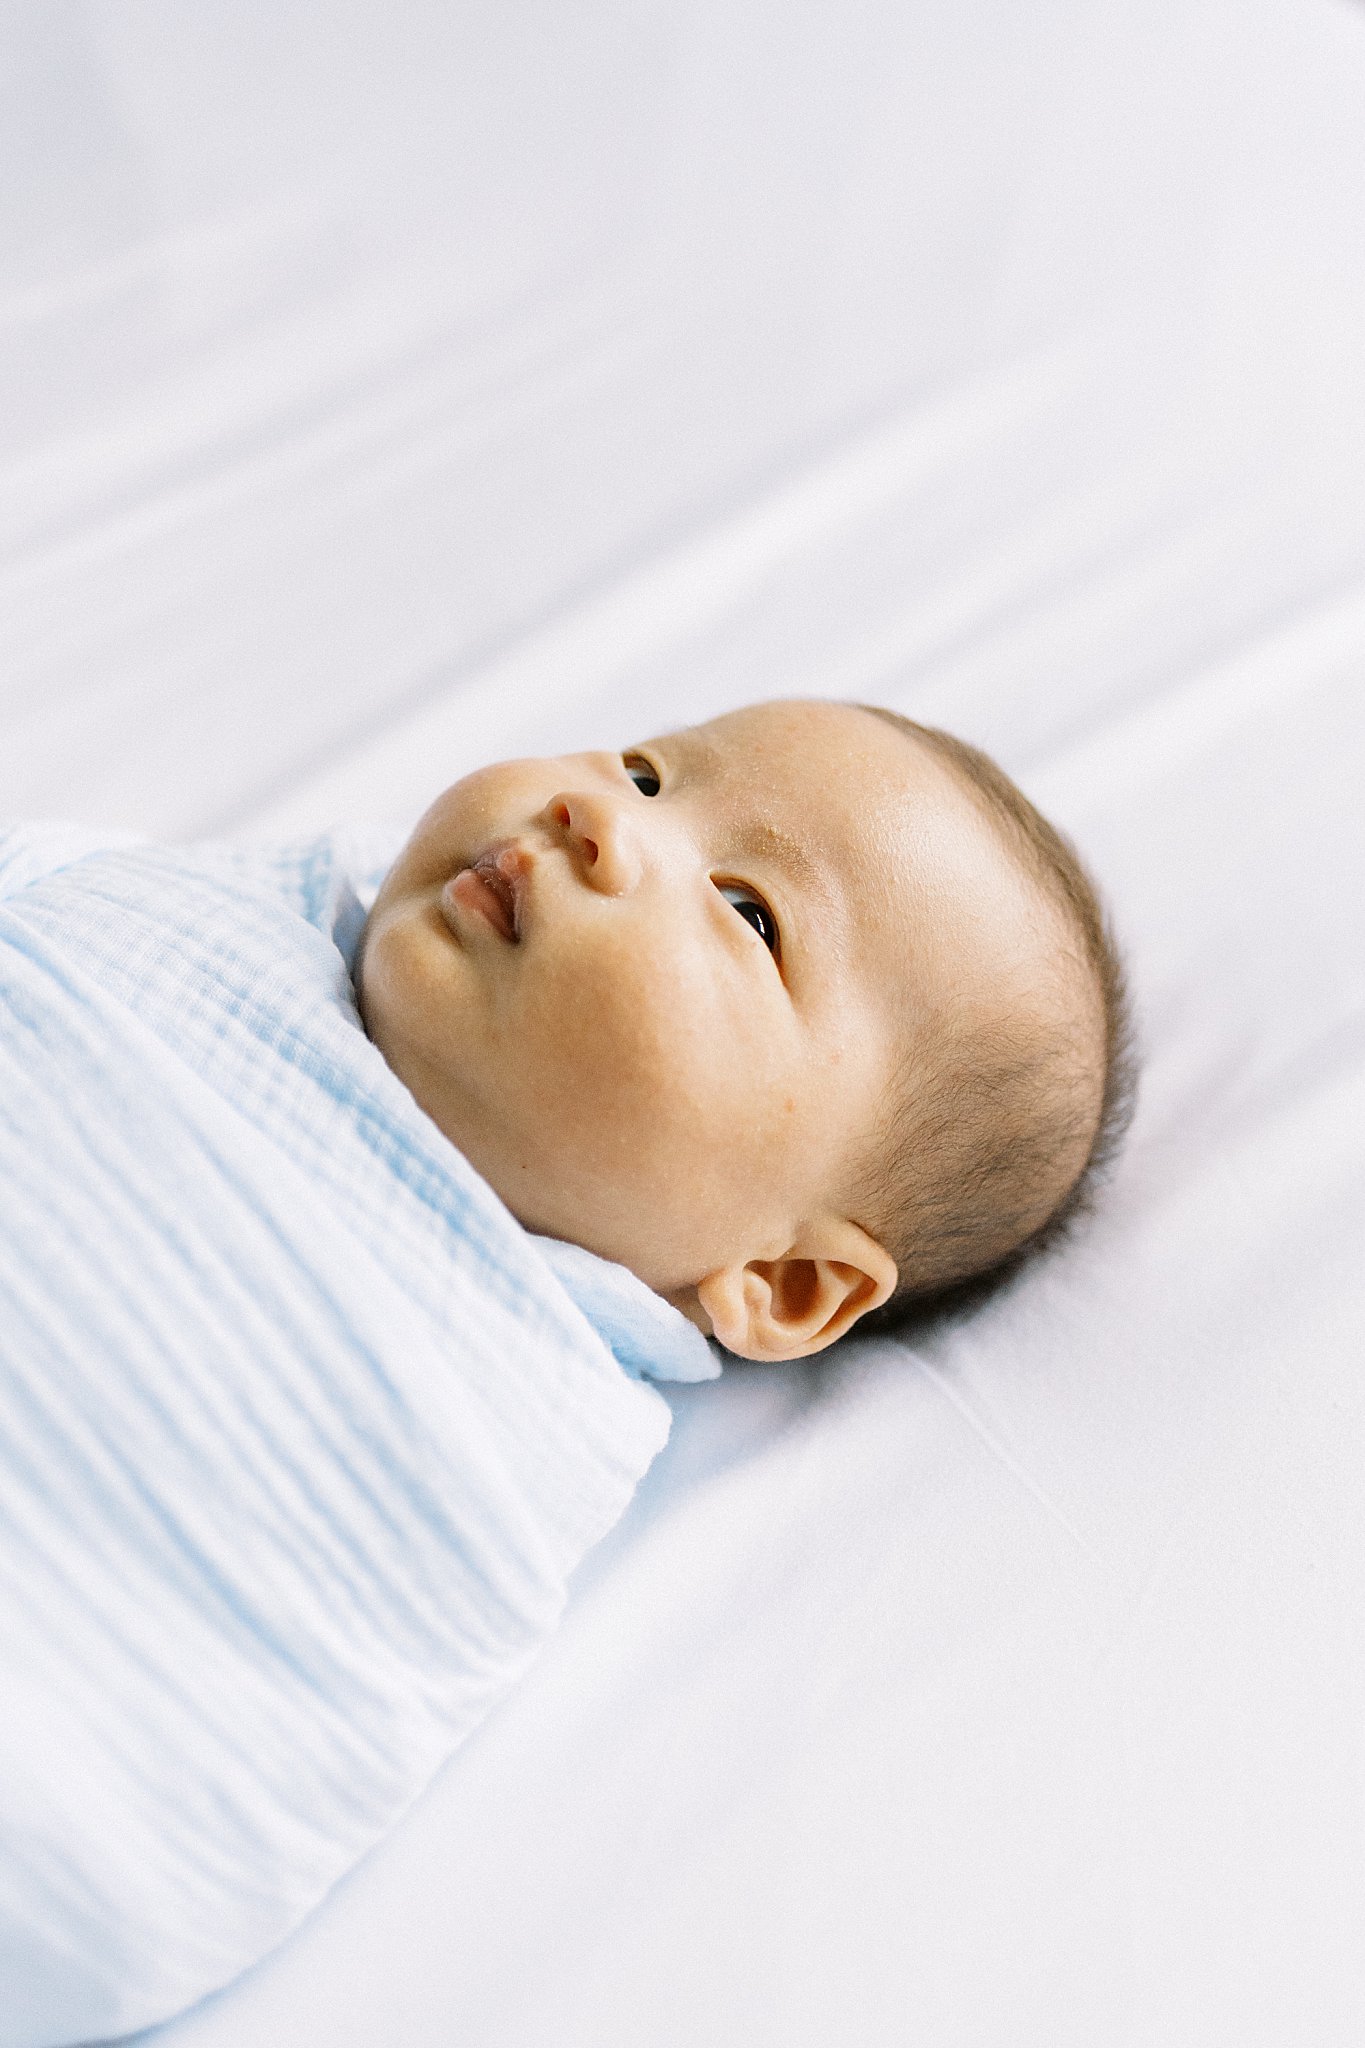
494	886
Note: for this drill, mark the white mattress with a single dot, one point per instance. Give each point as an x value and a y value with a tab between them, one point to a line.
387	389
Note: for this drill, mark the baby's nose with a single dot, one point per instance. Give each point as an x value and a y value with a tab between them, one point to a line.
599	836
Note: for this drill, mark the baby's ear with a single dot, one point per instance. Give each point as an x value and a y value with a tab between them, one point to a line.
795	1305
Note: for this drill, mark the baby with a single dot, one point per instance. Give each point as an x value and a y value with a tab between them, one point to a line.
797	1017
800	1015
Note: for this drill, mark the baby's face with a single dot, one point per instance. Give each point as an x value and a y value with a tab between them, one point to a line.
658	998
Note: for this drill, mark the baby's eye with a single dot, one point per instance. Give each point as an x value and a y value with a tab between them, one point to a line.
641	774
753	910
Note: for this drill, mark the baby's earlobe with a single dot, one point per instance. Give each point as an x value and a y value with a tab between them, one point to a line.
730	1306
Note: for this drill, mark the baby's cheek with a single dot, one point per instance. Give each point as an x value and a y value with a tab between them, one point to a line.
629	1063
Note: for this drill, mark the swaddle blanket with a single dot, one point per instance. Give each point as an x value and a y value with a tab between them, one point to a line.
300	1432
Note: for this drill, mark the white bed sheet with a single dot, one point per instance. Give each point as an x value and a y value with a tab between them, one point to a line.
385	389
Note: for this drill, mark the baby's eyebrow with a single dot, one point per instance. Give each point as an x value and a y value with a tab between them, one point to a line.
761	839
769	842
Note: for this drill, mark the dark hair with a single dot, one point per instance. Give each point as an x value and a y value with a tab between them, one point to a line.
997	1120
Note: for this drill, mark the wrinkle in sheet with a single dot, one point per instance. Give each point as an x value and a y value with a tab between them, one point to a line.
942	1383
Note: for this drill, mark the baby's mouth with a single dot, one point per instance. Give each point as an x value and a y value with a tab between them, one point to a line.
492	887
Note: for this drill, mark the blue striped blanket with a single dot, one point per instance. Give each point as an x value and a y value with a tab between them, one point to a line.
300	1433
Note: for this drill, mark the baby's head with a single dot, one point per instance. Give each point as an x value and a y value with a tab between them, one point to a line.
800	1014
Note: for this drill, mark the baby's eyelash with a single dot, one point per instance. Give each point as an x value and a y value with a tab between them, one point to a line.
750	906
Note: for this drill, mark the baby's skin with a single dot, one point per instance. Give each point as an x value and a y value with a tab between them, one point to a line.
661	999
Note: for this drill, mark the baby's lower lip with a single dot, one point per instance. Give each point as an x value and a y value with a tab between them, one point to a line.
470	890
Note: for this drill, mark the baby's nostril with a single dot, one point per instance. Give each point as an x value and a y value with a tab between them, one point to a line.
590	849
